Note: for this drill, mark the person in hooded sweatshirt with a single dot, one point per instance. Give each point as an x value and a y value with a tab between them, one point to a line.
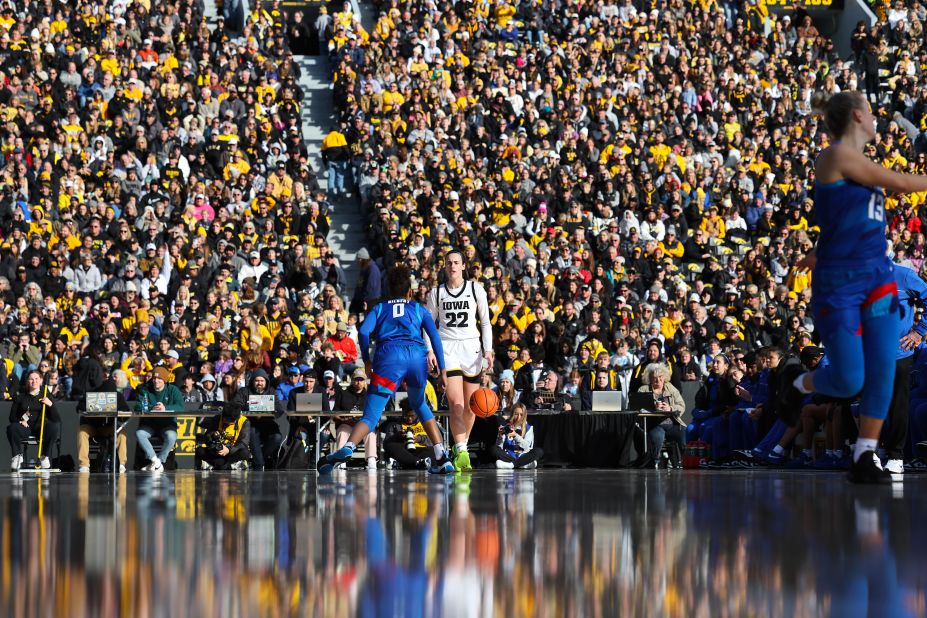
266	437
210	388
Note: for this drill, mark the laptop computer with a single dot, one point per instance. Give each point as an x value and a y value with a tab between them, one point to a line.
102	403
309	401
261	403
606	401
641	401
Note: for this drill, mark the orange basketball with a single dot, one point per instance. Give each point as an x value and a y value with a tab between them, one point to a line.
484	402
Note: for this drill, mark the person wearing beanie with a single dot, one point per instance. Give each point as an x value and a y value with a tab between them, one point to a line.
158	396
506	392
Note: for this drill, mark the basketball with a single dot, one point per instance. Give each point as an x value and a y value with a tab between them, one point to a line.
484	402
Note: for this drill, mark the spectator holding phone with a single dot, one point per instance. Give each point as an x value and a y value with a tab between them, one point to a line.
667	399
515	445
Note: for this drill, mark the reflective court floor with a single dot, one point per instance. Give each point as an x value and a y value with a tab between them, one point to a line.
528	543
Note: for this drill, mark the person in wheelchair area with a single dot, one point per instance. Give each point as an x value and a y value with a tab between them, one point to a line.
223	445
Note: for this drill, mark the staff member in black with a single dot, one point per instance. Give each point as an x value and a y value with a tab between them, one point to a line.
26	420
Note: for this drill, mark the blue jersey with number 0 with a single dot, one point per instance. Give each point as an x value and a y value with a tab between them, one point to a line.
402	322
852	221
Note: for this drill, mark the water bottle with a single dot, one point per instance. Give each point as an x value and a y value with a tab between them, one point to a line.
145	406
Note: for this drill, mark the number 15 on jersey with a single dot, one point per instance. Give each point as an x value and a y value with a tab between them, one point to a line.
877	206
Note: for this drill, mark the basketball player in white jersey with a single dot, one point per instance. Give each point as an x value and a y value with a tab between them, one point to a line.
461	312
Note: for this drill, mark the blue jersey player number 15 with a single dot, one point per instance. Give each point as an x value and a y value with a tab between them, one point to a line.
854	290
877	206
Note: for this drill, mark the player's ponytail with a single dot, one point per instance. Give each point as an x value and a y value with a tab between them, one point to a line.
819	101
837	110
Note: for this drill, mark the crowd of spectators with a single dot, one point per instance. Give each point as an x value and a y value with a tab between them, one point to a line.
158	207
618	173
622	177
631	181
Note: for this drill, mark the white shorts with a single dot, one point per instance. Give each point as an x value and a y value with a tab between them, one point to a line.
465	357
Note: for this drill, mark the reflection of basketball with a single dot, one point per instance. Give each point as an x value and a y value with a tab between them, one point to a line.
484	402
486	543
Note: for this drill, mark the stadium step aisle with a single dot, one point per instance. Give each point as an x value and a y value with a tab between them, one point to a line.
317	109
347	227
210	11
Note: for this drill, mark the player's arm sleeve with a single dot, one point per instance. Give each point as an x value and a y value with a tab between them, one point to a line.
366	330
432	332
431	303
482	309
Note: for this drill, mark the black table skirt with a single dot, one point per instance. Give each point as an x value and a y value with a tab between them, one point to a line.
600	440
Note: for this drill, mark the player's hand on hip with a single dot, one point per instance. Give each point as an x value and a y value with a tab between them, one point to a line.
911	341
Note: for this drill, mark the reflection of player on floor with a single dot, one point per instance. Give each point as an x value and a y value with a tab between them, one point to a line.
855	297
461	311
396	325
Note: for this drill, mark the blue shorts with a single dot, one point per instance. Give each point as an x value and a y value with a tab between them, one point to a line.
393	365
843	298
856	312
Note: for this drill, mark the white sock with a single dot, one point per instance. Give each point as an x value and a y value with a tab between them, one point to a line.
460	447
439	451
863	445
350	445
778	450
799	383
371	461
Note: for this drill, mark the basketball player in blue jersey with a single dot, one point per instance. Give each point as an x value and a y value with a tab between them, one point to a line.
855	297
396	326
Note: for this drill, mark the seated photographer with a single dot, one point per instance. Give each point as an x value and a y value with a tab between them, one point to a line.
406	441
667	398
515	445
224	443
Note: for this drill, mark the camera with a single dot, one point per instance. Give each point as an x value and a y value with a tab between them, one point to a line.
507	429
214	442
